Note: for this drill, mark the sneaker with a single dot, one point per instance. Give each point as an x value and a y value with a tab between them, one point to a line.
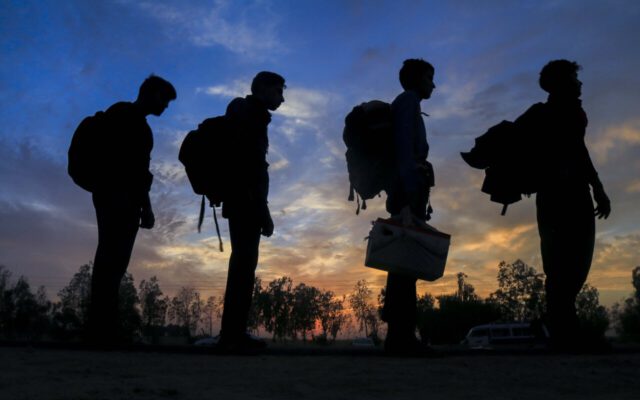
411	347
581	346
243	344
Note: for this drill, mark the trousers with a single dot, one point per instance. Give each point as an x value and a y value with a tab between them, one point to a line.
400	310
244	230
118	219
566	225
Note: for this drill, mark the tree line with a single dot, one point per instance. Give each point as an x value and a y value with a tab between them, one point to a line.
299	312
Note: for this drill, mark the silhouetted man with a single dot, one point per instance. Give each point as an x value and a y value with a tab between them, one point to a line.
408	198
565	210
246	207
121	198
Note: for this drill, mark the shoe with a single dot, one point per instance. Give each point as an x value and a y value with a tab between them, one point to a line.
411	347
581	346
242	344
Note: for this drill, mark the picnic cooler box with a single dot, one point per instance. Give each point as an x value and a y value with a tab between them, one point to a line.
416	251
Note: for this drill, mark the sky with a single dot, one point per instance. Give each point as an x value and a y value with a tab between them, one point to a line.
64	60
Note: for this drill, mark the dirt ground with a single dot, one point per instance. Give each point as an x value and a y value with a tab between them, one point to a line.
63	374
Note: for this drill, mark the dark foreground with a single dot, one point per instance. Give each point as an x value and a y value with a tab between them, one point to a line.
285	373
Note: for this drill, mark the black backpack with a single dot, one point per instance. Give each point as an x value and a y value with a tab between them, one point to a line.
83	160
368	135
507	155
206	153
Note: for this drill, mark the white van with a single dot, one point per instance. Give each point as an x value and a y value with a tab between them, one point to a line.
504	334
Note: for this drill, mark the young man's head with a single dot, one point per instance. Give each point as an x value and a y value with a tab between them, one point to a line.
416	74
155	94
269	88
560	77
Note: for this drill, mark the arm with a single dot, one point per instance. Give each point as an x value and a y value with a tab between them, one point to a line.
404	117
405	111
263	192
147	219
603	204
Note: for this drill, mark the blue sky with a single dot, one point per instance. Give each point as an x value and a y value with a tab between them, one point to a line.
63	60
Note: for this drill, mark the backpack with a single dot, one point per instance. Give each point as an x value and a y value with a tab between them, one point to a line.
83	160
506	154
206	153
368	135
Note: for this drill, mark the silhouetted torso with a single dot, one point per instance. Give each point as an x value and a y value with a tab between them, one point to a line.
556	132
249	118
411	151
126	151
410	137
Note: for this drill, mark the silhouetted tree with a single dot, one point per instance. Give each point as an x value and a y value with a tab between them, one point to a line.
6	304
71	315
210	312
153	307
23	315
128	313
520	294
593	317
365	313
185	309
331	314
426	310
627	314
465	292
455	315
276	304
45	307
26	310
305	310
255	318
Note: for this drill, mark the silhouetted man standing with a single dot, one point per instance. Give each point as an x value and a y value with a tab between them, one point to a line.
246	207
408	198
121	198
565	210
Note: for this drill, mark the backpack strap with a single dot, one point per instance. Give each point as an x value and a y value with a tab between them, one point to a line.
429	210
215	219
201	216
353	195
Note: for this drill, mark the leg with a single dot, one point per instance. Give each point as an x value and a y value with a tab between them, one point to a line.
399	309
245	240
567	236
117	230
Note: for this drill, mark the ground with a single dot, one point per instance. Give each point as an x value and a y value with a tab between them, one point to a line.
82	374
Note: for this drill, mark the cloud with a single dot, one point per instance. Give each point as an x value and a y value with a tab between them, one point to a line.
250	30
633	186
305	104
300	103
616	138
277	159
238	88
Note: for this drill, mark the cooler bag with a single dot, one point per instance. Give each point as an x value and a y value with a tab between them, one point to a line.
418	252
